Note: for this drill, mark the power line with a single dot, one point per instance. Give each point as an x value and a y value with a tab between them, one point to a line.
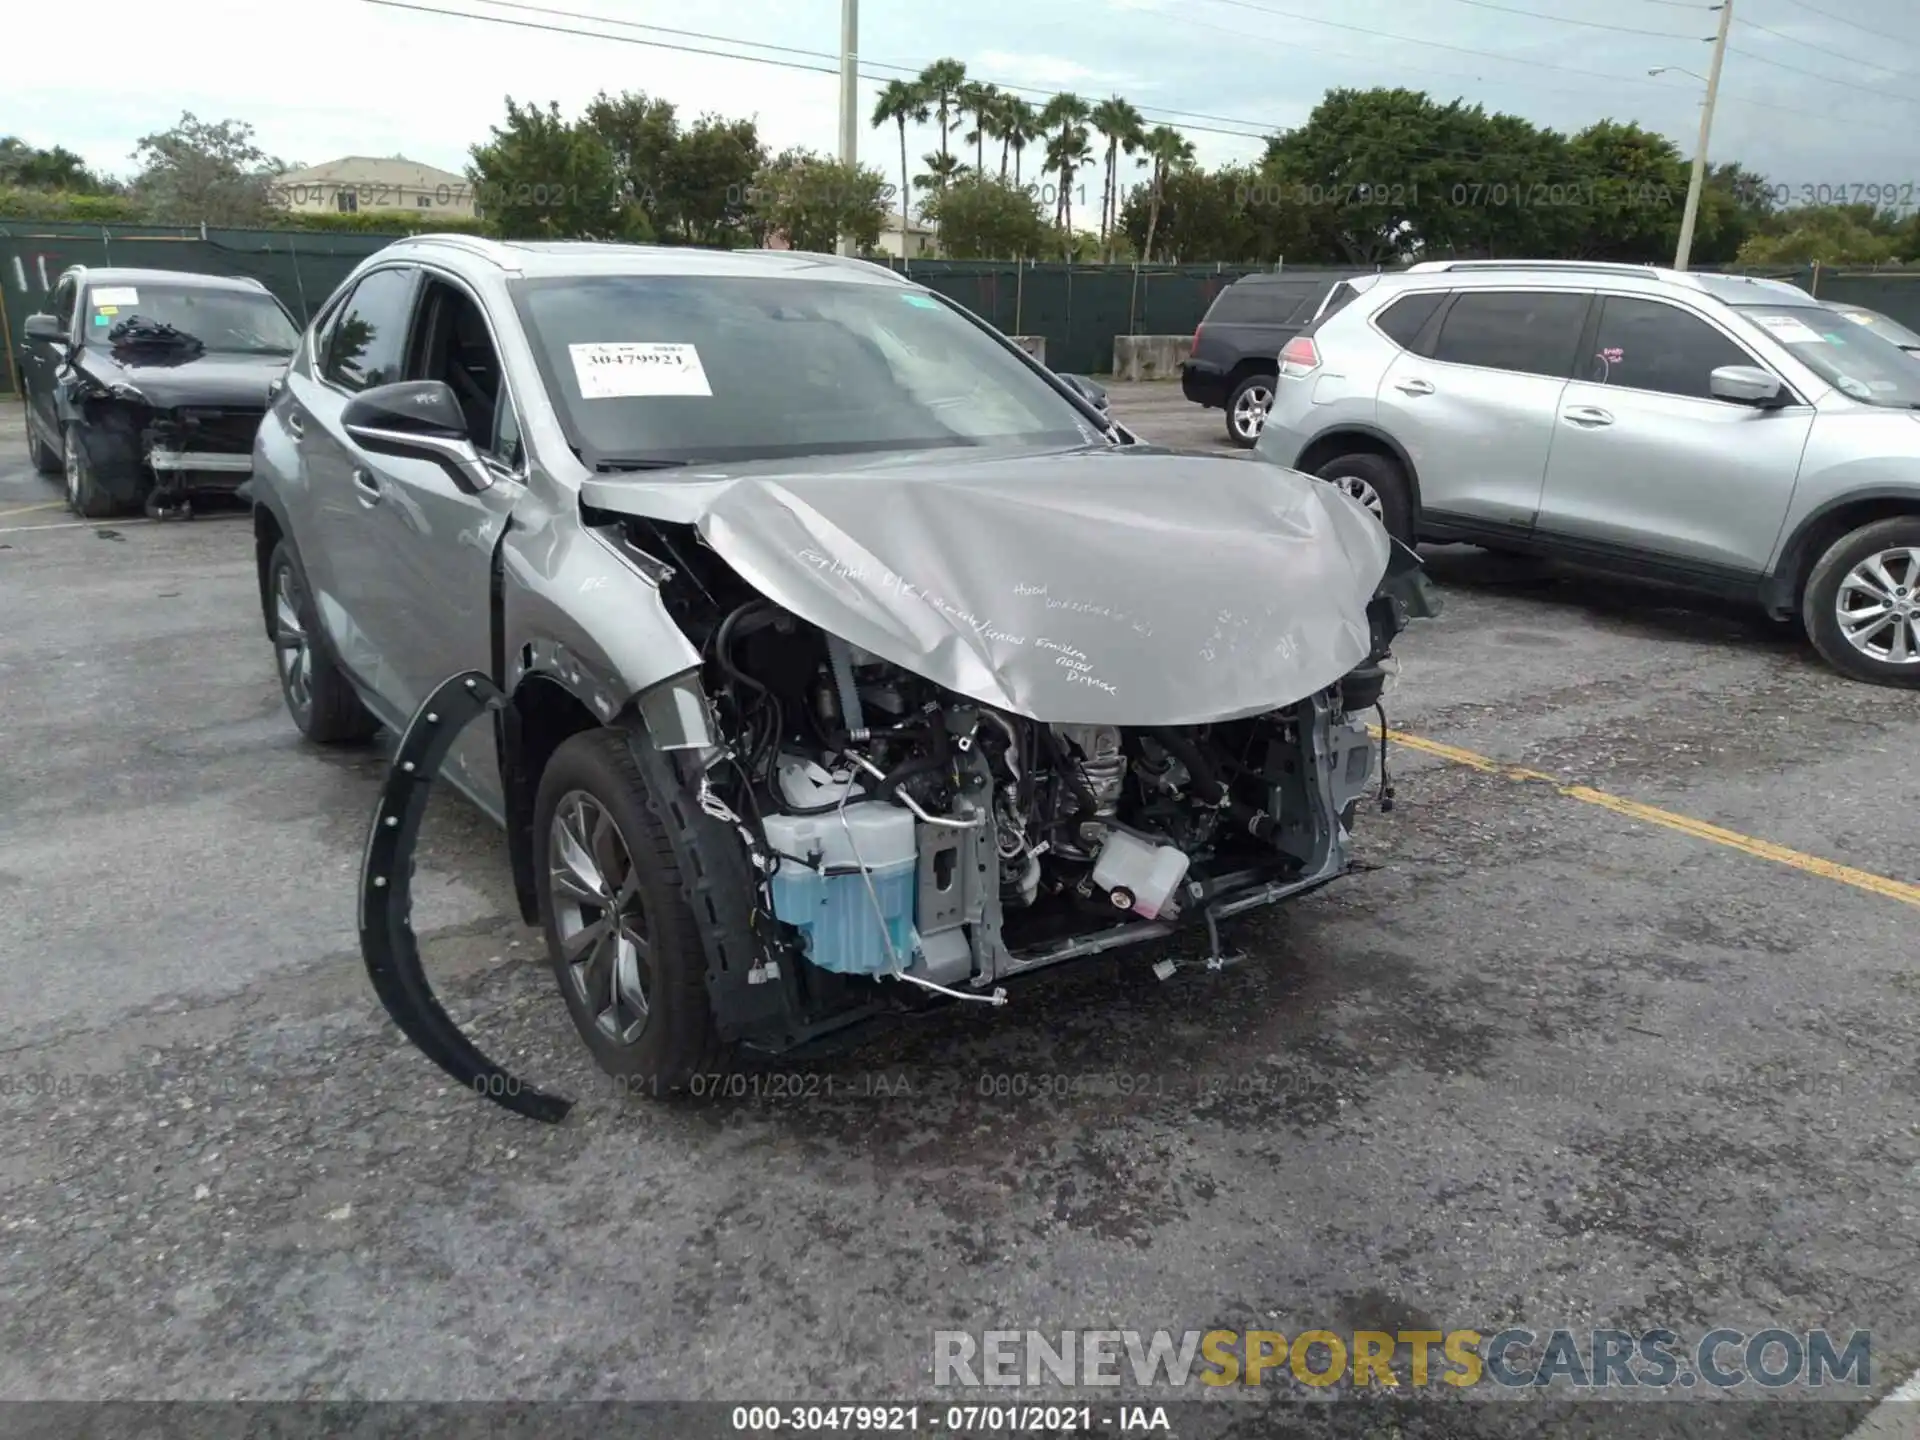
1854	24
1821	49
1816	75
1568	20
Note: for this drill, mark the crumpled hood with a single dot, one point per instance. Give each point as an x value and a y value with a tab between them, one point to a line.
171	379
1132	586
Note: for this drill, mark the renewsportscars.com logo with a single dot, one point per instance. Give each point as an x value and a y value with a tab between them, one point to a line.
1405	1359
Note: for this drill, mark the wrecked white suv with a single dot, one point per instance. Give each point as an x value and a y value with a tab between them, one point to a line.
836	658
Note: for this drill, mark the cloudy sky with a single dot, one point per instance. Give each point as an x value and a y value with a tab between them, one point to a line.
1814	91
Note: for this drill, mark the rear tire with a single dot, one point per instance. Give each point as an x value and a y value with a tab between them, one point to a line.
623	941
1872	572
1247	406
45	461
1379	484
85	497
321	700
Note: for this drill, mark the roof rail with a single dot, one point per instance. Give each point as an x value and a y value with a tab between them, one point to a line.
501	255
1604	267
831	257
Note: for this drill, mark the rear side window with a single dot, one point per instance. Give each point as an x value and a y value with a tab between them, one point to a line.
1649	345
1403	320
1263	304
1528	332
367	344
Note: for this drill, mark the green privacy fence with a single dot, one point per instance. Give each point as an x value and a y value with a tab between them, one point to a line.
1077	308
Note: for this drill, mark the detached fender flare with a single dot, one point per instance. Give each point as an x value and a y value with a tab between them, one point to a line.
387	942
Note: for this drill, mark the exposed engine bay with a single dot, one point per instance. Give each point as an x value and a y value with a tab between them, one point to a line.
899	830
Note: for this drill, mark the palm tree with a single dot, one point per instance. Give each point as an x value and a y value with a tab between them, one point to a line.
1169	151
1018	126
979	100
1123	128
940	83
1064	122
942	170
901	102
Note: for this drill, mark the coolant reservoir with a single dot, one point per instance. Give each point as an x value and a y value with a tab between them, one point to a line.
820	887
1148	873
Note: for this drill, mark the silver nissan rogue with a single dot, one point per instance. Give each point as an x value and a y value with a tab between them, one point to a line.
1725	433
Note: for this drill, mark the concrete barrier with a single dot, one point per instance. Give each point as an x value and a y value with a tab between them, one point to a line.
1149	357
1034	345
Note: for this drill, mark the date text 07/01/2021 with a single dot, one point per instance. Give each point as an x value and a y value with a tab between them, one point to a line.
948	1419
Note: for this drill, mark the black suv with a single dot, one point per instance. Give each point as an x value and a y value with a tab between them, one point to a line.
146	386
1236	347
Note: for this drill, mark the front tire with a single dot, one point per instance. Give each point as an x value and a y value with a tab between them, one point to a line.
85	496
623	941
1377	483
319	697
1862	603
1247	407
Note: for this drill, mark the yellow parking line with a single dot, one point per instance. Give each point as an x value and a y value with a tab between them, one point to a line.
29	509
1684	824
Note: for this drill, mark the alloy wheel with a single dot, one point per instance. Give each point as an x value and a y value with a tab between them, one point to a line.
597	915
1250	411
293	649
1357	489
1878	606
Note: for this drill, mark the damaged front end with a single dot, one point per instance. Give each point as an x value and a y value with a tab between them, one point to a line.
981	728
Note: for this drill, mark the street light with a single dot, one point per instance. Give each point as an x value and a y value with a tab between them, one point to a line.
1698	179
850	99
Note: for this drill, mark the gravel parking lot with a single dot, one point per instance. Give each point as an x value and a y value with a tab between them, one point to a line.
1548	1060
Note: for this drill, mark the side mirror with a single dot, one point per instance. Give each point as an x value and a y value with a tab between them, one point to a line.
46	328
417	420
1747	385
1092	392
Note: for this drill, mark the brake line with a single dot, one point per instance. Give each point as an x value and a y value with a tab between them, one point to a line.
387	941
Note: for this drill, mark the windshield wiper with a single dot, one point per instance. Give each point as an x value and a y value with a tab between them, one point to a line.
628	466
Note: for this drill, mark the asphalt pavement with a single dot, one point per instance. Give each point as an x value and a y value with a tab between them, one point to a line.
1613	1027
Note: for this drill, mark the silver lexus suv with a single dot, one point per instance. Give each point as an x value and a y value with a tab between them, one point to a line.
822	655
1725	433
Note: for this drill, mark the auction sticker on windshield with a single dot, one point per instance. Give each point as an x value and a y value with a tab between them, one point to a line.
115	295
1790	330
624	370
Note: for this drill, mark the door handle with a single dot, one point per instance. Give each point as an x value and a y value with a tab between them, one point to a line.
367	487
1588	415
1413	387
294	425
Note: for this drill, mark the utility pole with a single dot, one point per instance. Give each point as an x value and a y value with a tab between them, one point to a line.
1699	179
850	96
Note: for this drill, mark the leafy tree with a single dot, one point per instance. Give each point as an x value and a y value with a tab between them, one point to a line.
205	171
21	204
903	103
1123	128
941	82
1064	121
987	217
1638	183
1831	235
642	134
814	201
544	176
26	167
707	176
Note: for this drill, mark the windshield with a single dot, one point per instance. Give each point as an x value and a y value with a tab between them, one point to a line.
1849	357
226	321
1887	329
689	368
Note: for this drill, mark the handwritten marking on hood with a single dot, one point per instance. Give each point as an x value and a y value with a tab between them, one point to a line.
879	577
